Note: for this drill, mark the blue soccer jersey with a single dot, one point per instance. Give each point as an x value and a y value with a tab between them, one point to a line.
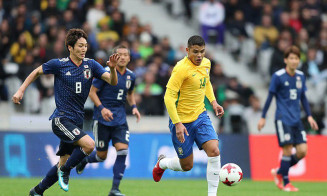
114	97
288	91
72	85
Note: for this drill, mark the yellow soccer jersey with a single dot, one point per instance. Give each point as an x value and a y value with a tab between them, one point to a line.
192	82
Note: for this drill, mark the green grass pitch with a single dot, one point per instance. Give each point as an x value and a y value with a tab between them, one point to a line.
135	187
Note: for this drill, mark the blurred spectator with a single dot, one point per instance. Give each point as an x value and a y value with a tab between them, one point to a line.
265	34
94	14
152	95
285	24
211	17
253	12
277	59
244	92
19	49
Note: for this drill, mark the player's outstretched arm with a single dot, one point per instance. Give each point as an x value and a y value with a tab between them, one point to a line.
106	113
30	78
132	103
111	78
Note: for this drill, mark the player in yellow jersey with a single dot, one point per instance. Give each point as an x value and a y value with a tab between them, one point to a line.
189	121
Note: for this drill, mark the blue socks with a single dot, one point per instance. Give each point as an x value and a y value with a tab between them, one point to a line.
76	157
294	160
119	168
48	181
285	165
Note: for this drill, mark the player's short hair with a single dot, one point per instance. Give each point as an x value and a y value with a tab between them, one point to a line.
114	50
195	40
292	50
73	35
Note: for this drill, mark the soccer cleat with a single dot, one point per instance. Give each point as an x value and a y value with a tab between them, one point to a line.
157	172
33	193
63	179
277	178
290	188
80	167
115	192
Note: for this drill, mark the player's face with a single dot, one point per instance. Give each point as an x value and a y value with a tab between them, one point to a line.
292	61
124	57
196	53
79	49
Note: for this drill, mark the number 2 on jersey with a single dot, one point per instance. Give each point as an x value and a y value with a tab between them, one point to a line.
120	94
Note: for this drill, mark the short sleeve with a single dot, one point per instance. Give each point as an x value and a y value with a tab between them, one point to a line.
176	79
274	84
98	83
98	70
132	83
51	67
304	85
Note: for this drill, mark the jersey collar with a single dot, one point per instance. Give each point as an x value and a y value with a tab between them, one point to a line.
75	63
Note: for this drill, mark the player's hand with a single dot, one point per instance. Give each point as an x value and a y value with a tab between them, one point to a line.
17	97
180	130
218	109
261	123
107	114
313	123
137	114
113	60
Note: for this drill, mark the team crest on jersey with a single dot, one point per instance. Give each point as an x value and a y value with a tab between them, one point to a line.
298	82
87	72
76	131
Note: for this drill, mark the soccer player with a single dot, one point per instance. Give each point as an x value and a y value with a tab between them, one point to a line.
189	121
288	86
110	118
73	79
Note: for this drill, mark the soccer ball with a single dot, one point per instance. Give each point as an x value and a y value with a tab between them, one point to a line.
230	174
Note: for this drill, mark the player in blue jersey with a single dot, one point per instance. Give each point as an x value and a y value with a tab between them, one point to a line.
288	86
110	118
73	80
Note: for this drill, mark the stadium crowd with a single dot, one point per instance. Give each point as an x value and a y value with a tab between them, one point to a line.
255	32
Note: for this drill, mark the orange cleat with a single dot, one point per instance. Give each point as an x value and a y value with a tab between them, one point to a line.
290	188
277	178
157	172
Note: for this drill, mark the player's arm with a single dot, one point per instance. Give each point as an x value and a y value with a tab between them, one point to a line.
219	110
307	110
111	77
30	78
131	101
106	113
262	120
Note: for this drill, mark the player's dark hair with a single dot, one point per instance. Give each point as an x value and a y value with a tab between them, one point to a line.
114	50
292	50
195	40
73	35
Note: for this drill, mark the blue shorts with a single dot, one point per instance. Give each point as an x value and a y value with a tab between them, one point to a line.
199	131
68	133
103	134
290	134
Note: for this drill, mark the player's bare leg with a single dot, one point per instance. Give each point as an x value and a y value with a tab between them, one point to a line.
85	146
213	166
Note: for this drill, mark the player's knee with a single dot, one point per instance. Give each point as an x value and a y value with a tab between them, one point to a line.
213	152
89	146
187	167
301	154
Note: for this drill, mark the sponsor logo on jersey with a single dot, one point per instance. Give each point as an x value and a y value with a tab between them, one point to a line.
76	131
286	83
68	73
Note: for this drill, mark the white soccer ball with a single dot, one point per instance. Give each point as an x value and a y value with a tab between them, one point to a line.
230	174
